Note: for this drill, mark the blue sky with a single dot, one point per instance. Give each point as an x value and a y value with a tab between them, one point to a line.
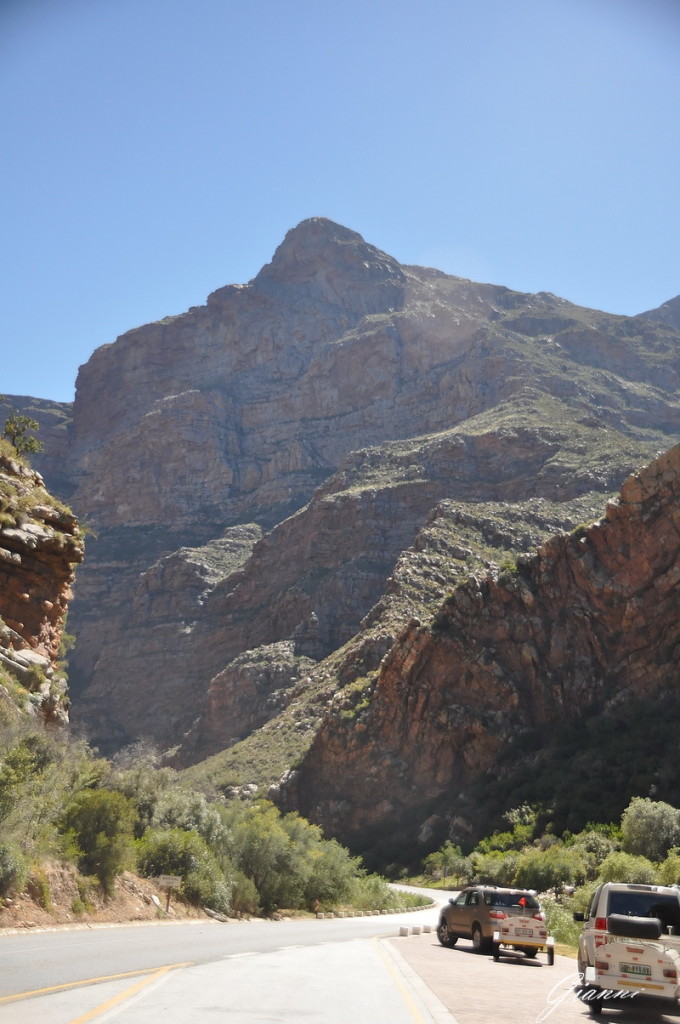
154	150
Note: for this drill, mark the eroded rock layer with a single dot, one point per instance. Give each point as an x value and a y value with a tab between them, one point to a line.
40	546
590	619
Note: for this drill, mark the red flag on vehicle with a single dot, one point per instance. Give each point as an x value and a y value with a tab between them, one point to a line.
522	901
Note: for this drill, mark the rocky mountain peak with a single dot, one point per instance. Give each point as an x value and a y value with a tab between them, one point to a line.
334	264
667	313
315	234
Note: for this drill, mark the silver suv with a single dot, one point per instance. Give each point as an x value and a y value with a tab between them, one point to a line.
480	911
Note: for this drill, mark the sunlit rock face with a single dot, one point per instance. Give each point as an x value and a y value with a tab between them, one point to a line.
590	618
40	546
255	471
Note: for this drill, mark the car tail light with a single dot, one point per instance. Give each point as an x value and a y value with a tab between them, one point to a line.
671	973
497	915
600	924
601	965
538	916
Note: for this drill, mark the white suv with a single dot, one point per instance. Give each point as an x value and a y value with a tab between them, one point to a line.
630	944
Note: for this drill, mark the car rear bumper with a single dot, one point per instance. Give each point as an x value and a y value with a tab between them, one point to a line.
628	988
523	942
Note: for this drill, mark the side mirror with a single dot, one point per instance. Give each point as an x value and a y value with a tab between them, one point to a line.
579	915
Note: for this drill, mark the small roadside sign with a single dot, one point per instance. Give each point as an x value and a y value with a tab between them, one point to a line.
169	882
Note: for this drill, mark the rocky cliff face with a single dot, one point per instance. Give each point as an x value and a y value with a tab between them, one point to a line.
225	408
589	620
668	313
297	467
40	545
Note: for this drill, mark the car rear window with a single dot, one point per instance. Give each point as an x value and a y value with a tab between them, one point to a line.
646	904
512	899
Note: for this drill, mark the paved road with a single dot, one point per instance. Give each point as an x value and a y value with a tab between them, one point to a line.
332	971
475	990
395	980
356	971
354	982
37	960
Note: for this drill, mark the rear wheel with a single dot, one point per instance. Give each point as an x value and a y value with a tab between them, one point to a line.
551	956
595	1008
479	943
445	936
496	950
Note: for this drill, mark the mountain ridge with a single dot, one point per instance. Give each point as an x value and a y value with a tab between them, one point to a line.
280	480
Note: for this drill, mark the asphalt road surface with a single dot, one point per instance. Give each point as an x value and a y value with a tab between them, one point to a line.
333	983
255	972
341	971
515	990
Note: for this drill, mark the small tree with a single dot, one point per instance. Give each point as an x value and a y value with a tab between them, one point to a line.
100	825
627	867
550	869
174	851
16	431
332	872
594	848
669	871
13	868
267	855
244	895
650	828
494	868
447	861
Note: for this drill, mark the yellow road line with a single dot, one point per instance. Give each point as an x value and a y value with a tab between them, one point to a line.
405	994
86	981
122	996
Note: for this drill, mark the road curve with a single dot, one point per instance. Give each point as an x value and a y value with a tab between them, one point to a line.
330	971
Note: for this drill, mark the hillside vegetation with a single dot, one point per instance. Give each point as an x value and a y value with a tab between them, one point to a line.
641	846
68	814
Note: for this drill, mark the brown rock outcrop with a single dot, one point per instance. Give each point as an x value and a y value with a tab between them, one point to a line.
40	545
591	617
250	691
668	313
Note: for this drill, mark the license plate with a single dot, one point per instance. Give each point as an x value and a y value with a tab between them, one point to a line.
524	931
636	969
